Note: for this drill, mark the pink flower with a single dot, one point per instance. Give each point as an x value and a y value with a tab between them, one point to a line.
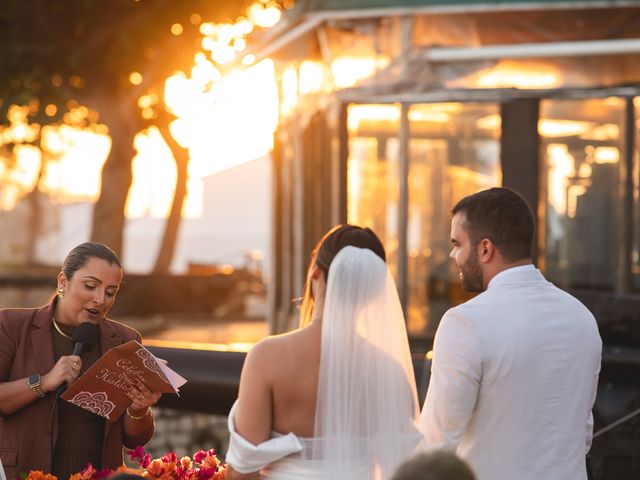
104	473
137	453
88	472
199	456
169	457
206	473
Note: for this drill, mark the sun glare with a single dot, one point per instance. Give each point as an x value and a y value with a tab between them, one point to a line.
223	121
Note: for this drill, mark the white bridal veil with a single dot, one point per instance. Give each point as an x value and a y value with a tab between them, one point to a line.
367	406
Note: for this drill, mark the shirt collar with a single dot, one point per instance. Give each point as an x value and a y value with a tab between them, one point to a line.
509	272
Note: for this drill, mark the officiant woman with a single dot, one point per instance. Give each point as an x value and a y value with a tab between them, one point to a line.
36	346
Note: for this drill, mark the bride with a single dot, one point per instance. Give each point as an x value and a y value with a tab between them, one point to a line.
337	397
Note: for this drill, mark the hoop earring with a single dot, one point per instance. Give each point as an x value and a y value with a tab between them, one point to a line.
60	293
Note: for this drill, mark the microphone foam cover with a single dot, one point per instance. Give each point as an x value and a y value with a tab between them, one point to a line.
88	334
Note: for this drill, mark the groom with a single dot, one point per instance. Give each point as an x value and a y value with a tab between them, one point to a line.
515	369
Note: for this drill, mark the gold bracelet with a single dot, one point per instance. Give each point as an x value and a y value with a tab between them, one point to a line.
133	417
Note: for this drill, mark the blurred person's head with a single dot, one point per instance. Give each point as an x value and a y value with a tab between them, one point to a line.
322	256
490	231
87	284
436	465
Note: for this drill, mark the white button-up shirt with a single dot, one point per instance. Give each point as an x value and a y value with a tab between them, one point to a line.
514	379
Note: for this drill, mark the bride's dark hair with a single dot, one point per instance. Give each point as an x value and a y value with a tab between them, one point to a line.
325	251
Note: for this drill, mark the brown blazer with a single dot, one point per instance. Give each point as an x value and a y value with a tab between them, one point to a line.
26	348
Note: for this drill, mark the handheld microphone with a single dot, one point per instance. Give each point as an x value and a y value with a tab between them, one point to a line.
85	337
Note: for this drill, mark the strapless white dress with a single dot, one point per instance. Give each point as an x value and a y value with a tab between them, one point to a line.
282	457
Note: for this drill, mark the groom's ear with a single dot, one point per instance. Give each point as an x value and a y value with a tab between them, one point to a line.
486	250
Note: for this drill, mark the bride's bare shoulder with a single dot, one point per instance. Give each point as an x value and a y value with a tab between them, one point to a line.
281	345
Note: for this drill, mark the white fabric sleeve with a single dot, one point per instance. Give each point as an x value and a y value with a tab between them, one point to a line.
456	371
246	457
589	432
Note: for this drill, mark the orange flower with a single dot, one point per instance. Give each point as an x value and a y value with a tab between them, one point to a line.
185	462
39	475
221	474
155	468
211	462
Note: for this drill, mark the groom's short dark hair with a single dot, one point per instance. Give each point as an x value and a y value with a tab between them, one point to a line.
435	465
503	216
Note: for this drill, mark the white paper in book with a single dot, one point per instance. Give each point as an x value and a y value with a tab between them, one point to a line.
175	380
2	475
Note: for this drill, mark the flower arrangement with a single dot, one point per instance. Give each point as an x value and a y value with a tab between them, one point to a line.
203	466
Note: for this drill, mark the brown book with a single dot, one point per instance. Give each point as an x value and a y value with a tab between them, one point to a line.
101	389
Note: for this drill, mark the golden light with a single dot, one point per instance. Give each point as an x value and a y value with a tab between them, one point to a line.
424	115
289	90
489	122
81	153
508	74
148	113
311	77
215	124
603	133
208	43
348	71
264	15
221	121
21	178
227	269
359	114
28	160
573	192
135	78
223	54
244	26
585	170
76	81
207	29
562	128
154	177
248	59
204	72
604	155
239	44
145	101
429	355
19	130
561	167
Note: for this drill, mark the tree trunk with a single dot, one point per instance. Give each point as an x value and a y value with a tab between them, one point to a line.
33	198
172	224
122	117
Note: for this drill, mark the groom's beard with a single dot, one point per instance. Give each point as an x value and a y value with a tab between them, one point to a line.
472	274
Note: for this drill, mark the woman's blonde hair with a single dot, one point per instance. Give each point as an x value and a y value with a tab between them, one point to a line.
326	249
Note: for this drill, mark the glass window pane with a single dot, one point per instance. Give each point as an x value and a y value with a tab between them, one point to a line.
582	158
635	249
372	172
454	151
